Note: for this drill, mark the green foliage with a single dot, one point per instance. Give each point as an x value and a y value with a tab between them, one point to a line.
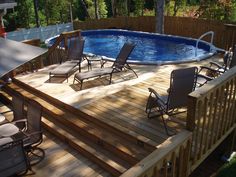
217	9
58	11
228	170
102	8
139	5
24	15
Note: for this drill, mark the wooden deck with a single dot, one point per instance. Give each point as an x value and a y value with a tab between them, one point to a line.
111	116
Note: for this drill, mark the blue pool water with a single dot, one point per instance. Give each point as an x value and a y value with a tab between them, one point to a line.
150	48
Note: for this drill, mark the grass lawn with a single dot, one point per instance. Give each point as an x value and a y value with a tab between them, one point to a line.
229	169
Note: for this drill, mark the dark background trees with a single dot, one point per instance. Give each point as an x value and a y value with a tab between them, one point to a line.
45	12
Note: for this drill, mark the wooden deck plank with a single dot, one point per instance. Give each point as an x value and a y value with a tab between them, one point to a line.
60	157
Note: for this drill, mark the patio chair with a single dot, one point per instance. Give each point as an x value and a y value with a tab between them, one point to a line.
33	131
13	158
74	59
216	69
182	82
18	109
118	66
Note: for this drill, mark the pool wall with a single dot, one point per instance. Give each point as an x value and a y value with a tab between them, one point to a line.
211	49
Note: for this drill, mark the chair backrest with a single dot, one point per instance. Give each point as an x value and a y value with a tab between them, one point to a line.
233	60
13	159
75	48
123	56
182	82
18	109
34	116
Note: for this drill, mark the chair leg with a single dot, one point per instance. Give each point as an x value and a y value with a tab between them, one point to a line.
81	84
39	157
166	128
49	77
110	78
128	67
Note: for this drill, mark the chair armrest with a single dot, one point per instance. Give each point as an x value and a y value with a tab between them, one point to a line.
158	97
21	120
205	77
216	71
34	133
215	64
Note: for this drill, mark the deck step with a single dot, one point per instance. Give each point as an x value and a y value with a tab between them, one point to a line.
129	151
5	98
104	139
106	159
127	134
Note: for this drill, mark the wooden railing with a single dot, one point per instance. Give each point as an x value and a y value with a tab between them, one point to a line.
212	115
225	34
57	52
170	159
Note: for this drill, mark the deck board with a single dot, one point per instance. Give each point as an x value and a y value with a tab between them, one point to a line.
121	105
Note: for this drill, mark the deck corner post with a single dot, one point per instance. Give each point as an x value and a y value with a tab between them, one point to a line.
191	113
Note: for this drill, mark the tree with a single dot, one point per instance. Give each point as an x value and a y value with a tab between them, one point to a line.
160	5
36	13
96	9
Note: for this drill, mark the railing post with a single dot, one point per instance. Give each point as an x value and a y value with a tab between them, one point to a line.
191	113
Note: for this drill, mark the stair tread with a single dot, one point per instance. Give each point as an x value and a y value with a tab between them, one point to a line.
92	148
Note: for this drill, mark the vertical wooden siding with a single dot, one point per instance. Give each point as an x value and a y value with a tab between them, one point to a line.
171	159
225	34
212	115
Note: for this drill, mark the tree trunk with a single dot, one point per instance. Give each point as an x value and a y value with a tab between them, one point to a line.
128	7
175	8
36	12
46	12
85	8
113	4
160	16
96	9
71	12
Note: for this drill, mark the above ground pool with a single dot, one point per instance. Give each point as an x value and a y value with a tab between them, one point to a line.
151	48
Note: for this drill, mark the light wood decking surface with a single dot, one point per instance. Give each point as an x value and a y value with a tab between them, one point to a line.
121	105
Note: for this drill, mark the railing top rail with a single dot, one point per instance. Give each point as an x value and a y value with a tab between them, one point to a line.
62	37
157	156
215	83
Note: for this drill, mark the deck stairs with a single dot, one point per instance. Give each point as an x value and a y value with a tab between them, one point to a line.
110	148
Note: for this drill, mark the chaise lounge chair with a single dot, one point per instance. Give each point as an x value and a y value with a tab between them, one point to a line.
118	65
182	82
75	57
215	69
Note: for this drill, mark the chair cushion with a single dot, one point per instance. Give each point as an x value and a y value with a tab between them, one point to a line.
64	68
93	73
8	129
5	140
2	118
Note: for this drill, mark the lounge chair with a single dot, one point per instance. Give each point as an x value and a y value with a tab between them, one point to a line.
216	69
182	82
74	56
118	66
